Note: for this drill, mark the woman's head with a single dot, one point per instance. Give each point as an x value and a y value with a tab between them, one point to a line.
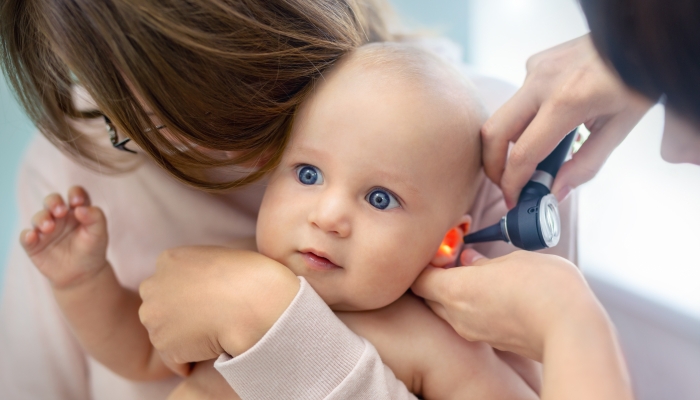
655	47
220	74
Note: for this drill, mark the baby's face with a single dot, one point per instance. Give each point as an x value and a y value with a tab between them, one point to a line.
367	188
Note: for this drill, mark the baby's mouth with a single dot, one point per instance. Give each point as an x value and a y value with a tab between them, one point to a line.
317	261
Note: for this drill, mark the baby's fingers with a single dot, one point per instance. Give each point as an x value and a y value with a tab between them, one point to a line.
182	370
77	196
92	219
43	222
28	238
55	205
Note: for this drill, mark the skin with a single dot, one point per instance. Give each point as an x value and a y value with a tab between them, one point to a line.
554	317
68	244
566	86
389	142
509	316
681	140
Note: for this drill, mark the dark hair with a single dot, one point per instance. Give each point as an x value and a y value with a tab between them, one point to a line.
220	74
654	45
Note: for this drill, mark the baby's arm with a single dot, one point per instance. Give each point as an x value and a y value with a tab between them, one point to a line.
68	244
431	358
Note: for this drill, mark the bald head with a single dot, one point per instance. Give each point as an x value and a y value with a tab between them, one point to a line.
421	67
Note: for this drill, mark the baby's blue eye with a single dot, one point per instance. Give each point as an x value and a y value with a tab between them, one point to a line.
382	199
309	175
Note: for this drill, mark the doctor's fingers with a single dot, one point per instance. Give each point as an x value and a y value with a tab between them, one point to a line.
557	79
503	127
606	135
551	124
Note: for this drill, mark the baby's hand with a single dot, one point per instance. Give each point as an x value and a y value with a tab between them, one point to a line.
68	244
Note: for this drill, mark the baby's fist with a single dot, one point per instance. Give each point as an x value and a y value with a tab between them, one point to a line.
67	243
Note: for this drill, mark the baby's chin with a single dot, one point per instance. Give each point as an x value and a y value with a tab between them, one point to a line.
341	293
339	301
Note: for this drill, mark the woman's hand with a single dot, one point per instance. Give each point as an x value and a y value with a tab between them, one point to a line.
565	86
538	306
204	383
203	301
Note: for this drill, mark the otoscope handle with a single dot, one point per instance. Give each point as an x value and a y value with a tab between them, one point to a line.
553	162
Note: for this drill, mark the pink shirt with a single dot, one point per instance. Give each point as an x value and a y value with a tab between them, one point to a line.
148	212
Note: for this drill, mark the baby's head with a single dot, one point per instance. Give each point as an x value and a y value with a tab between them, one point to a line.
382	163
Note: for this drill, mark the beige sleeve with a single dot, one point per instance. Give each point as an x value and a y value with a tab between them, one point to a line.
310	354
39	359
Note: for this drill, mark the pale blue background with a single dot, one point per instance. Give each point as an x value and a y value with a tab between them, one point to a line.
15	133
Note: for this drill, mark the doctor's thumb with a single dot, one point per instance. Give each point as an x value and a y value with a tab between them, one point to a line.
432	283
471	257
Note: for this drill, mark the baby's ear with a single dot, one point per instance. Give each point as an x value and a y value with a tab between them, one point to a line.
451	244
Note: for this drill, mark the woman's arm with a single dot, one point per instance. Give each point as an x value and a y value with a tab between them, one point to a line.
538	306
275	327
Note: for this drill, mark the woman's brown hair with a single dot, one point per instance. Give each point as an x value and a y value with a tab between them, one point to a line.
221	74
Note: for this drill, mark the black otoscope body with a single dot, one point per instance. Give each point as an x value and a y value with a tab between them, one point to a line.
534	223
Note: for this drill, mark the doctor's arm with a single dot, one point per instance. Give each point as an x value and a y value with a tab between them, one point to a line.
538	306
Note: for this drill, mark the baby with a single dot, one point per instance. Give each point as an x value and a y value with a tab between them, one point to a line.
382	166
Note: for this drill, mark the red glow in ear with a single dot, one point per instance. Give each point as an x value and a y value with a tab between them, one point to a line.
450	242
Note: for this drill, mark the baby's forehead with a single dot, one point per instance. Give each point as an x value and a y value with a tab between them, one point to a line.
399	106
405	70
403	63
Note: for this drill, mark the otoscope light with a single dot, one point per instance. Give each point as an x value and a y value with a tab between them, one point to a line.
549	220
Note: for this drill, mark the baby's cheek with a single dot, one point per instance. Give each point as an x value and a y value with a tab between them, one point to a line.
392	278
267	237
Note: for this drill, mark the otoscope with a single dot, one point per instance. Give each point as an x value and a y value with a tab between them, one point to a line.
534	223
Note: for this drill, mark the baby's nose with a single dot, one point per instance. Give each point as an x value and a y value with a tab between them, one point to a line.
332	215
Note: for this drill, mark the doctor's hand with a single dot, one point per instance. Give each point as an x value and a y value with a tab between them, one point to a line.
203	301
566	86
514	302
538	306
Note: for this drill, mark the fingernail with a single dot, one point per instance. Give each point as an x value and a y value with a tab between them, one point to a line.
563	193
76	200
469	256
45	225
59	209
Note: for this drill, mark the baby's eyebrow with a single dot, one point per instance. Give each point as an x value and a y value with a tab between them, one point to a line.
386	177
398	179
308	150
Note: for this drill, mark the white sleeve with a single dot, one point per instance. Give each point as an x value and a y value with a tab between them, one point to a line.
39	358
310	354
